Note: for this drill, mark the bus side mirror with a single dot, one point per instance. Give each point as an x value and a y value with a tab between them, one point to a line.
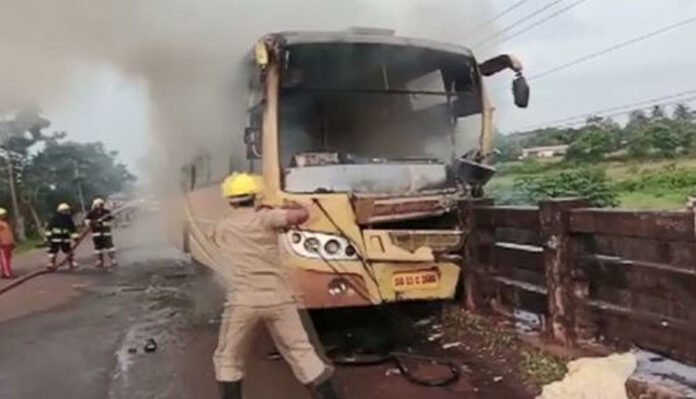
252	139
520	91
520	87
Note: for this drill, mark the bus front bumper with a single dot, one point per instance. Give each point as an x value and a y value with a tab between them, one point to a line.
319	286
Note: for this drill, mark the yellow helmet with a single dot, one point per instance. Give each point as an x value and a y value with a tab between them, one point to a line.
241	185
3	212
64	207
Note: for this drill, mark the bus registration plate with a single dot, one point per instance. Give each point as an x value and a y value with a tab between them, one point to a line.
416	280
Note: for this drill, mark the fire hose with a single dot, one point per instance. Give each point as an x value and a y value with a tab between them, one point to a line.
339	357
64	261
347	356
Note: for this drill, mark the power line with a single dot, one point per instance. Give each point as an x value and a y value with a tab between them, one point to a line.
613	48
534	25
496	17
619	110
687	100
635	104
518	22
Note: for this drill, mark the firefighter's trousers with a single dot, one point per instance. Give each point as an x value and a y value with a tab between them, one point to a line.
285	326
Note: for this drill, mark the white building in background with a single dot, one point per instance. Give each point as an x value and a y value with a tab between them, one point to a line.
549	151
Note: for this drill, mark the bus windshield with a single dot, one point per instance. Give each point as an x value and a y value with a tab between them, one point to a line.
376	103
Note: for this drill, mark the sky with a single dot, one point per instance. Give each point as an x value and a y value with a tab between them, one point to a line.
103	104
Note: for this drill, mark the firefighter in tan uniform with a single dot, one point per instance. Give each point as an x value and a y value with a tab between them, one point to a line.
260	291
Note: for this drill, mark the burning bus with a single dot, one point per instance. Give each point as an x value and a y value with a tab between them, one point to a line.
383	136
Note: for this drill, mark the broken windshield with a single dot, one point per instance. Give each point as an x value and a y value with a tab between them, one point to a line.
369	101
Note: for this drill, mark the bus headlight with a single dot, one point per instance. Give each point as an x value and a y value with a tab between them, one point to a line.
320	245
311	244
332	247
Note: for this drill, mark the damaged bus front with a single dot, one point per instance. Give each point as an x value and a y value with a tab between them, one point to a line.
382	137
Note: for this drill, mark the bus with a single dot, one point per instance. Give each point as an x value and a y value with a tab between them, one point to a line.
383	137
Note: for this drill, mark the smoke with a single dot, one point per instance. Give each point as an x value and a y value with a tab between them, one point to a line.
188	54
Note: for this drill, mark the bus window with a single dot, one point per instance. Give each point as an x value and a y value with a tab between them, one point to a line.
256	121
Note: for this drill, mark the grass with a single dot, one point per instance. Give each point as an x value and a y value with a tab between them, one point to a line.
653	196
499	346
650	201
541	367
28	244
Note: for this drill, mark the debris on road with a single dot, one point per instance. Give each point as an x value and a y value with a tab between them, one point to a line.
423	322
497	378
132	350
434	337
392	371
451	345
150	346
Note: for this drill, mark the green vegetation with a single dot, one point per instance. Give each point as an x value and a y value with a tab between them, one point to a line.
45	170
648	163
591	184
541	367
28	244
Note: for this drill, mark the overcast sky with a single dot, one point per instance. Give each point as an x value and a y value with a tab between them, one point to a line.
104	105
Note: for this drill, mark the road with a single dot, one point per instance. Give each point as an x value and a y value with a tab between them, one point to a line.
90	344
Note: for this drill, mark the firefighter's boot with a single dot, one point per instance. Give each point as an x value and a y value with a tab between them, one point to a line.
100	261
231	389
71	261
112	259
325	390
51	263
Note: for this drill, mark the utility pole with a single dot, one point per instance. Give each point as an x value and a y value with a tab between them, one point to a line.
79	188
18	218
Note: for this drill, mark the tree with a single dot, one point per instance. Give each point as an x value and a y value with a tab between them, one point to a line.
682	113
657	113
17	135
663	140
591	185
67	171
657	139
637	118
599	137
593	146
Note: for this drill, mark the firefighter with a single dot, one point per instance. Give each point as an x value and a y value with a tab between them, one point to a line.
6	246
99	220
248	258
61	235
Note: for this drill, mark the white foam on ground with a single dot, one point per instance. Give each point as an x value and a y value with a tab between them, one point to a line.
596	378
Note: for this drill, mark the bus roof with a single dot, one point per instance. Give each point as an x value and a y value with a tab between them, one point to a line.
368	36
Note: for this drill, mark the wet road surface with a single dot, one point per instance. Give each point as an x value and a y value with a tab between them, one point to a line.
93	347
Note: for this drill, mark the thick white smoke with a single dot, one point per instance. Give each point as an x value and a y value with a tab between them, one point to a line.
188	52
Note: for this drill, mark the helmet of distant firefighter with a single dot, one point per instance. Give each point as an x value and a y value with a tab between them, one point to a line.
98	202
